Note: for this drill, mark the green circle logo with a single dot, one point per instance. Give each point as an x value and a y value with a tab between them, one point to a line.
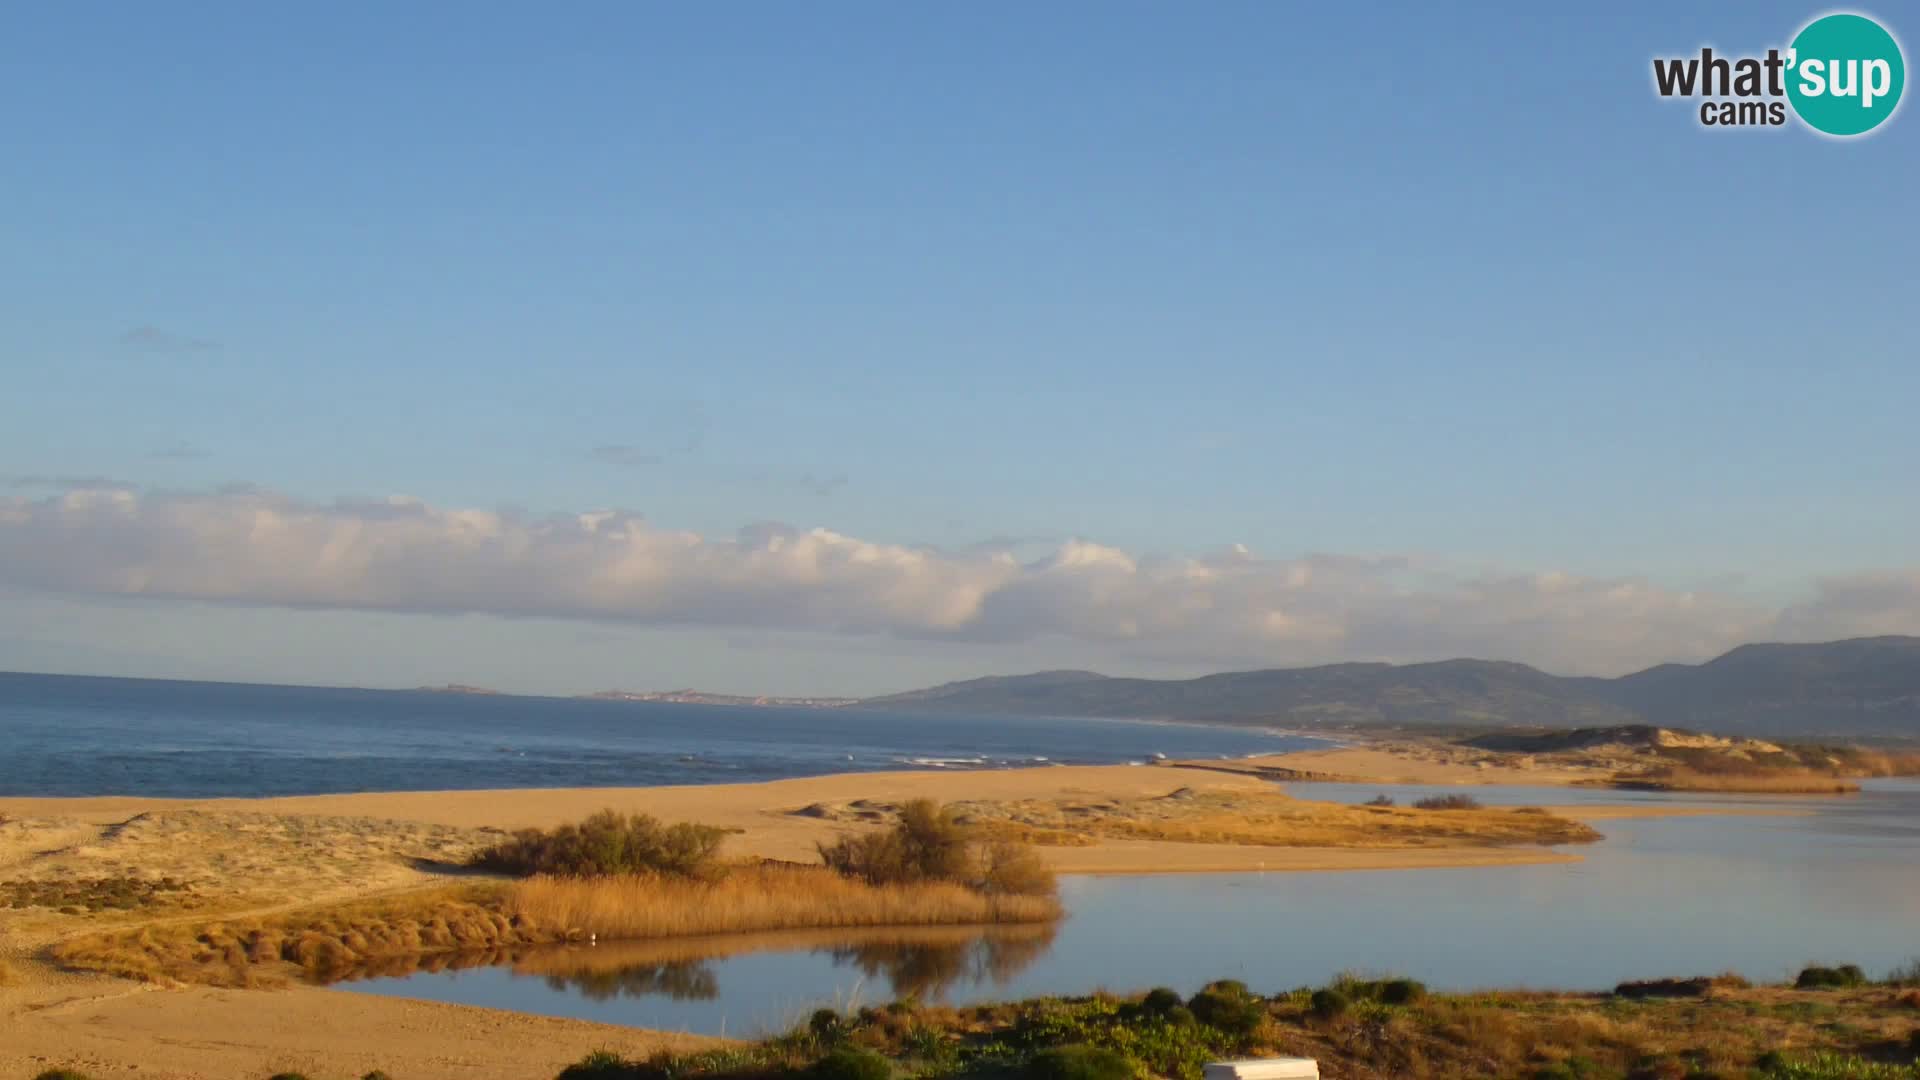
1845	74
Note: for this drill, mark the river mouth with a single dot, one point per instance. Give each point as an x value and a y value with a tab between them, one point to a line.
1832	880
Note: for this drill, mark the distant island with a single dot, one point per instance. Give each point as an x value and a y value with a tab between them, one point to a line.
701	697
457	688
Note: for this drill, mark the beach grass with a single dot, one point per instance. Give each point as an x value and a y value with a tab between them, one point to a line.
1268	819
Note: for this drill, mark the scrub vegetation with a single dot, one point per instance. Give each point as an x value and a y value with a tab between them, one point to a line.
609	877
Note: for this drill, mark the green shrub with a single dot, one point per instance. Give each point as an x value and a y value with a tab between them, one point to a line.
1227	1006
848	1063
930	1045
828	1026
1160	1000
929	843
1846	976
1907	974
1081	1063
1329	1003
1401	991
1826	1066
607	1065
1447	802
606	844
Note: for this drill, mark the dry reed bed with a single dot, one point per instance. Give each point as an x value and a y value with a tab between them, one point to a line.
333	942
1784	782
759	898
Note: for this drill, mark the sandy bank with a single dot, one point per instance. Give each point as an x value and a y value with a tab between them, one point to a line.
107	1027
771	821
1405	764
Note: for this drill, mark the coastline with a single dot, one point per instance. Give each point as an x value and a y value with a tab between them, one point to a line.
106	1024
768	819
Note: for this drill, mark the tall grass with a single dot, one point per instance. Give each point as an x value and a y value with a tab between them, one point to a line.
759	898
1780	782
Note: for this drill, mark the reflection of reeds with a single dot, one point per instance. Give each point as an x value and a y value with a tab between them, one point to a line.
931	969
924	962
759	898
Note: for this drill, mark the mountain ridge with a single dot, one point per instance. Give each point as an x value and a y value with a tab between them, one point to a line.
1857	686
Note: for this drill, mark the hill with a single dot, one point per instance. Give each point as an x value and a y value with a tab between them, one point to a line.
1866	686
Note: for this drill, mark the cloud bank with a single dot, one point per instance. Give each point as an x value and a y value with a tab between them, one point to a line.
1233	608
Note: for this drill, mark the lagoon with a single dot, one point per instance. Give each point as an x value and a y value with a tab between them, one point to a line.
1764	888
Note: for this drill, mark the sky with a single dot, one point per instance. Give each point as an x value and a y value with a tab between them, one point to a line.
846	348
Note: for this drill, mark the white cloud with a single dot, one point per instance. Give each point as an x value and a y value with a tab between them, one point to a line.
1234	608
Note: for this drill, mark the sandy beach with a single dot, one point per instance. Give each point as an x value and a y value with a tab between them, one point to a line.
318	849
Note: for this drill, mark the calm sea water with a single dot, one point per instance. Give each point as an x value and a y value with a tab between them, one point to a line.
63	735
1763	895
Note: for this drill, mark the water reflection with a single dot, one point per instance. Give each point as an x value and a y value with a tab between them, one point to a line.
929	963
932	970
681	980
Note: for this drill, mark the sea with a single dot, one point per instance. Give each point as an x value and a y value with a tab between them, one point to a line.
74	735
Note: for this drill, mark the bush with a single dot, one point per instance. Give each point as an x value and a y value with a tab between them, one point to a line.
1328	1004
62	1074
1227	1006
1697	986
288	1076
1907	974
1401	991
606	1065
1160	1001
929	843
606	844
847	1063
827	1026
376	1074
1081	1063
1380	800
1012	869
1447	802
1844	977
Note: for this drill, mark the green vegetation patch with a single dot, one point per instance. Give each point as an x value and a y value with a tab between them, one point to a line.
607	844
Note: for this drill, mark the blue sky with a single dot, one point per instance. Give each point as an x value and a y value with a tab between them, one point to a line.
1168	278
